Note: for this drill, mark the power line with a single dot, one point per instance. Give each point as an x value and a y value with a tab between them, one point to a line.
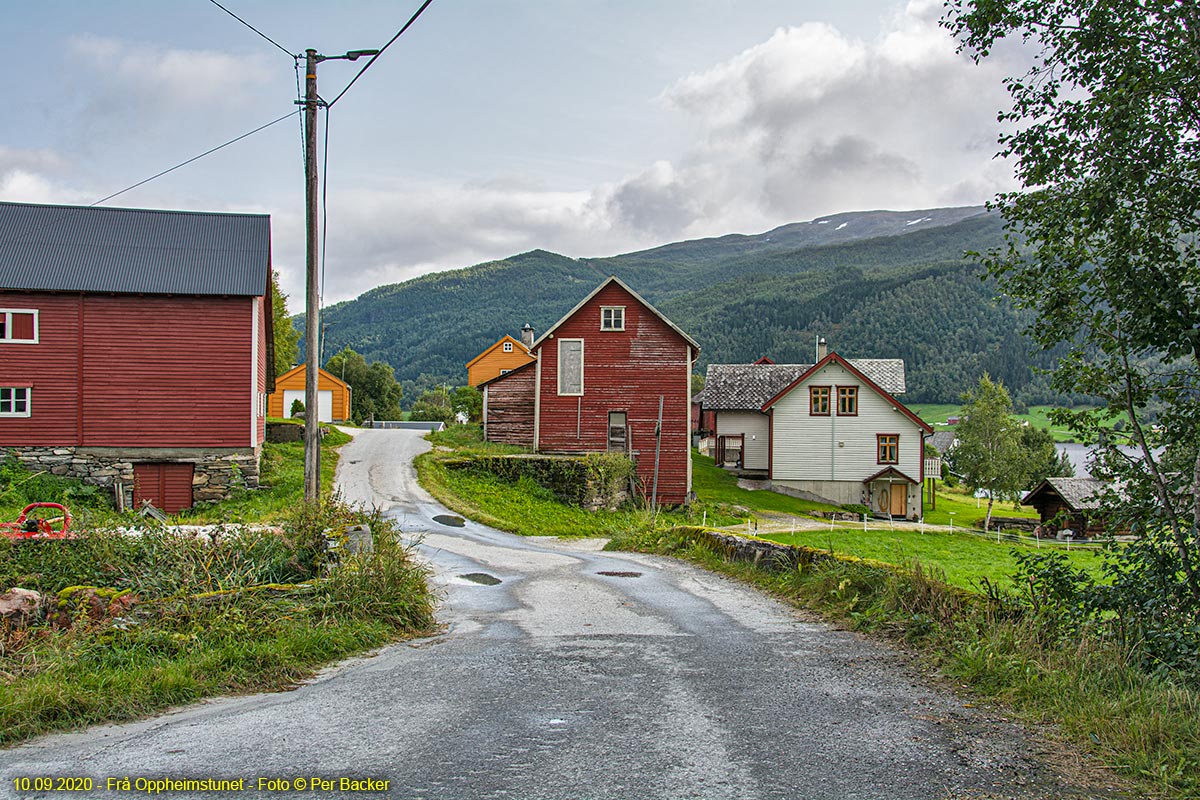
251	27
367	66
197	158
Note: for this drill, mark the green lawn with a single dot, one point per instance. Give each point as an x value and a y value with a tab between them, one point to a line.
717	489
964	557
936	414
967	510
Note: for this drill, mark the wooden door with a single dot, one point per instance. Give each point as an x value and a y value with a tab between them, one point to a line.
899	499
167	485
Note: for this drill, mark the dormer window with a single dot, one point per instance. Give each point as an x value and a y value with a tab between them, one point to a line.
508	347
612	318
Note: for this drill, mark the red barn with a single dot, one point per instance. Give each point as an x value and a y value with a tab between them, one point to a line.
600	375
136	347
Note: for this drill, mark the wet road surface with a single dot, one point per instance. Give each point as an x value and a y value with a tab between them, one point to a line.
566	672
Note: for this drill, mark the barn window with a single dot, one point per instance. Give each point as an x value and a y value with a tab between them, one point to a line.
570	366
612	318
618	432
848	400
889	448
508	347
19	325
14	401
818	401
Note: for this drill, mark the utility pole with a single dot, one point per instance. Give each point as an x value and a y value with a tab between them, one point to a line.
312	308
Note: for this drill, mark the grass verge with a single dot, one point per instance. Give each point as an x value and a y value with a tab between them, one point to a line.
1146	727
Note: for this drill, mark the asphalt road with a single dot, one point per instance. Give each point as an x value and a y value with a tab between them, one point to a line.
565	672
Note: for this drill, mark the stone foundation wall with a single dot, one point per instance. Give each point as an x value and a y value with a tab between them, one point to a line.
216	472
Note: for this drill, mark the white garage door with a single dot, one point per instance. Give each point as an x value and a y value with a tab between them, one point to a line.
324	403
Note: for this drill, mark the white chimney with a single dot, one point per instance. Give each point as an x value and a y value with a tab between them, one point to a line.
527	336
822	348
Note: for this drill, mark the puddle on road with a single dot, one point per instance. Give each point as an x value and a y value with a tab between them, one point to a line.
619	574
481	578
451	520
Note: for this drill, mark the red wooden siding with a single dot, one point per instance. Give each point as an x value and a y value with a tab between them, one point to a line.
134	371
622	371
510	408
167	485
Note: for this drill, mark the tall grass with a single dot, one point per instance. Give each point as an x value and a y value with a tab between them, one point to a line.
1144	726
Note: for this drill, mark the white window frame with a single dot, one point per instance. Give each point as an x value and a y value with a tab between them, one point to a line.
612	312
508	348
7	314
560	368
12	399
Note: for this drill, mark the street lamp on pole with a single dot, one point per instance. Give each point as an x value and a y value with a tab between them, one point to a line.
312	310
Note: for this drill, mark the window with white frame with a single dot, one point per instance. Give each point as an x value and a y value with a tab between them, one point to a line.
508	347
570	366
14	401
18	325
612	318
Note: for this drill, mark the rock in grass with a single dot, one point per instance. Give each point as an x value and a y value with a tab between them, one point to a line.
20	607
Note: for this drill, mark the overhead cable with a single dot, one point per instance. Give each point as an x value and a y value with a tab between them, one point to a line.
367	66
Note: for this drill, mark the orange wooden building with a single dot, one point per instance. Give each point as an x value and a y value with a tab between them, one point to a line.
502	357
333	395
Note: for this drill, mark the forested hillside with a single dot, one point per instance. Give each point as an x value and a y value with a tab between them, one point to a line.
874	284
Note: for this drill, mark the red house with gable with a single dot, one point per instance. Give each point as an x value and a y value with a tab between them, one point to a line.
596	385
136	347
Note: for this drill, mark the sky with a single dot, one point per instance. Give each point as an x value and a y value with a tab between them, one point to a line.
494	127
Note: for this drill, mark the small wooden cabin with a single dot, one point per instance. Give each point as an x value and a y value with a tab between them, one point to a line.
1069	503
333	395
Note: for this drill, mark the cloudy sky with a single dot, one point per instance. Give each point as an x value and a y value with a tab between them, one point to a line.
586	127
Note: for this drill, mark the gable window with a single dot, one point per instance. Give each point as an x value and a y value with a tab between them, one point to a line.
14	401
818	401
848	400
612	318
18	325
889	448
618	432
508	347
570	366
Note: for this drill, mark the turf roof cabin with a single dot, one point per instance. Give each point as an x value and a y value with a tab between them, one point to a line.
136	347
832	431
595	386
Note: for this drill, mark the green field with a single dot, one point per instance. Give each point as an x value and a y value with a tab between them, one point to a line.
936	415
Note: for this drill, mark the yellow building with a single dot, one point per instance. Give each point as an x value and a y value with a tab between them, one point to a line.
333	395
504	356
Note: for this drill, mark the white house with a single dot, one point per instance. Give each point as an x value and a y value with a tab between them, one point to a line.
838	434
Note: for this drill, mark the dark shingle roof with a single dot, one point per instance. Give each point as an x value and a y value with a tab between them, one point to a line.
96	249
1080	494
732	387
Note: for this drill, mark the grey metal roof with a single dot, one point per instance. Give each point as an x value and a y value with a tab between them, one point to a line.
98	249
942	441
730	387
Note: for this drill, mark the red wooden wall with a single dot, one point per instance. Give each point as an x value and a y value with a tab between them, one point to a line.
622	371
136	371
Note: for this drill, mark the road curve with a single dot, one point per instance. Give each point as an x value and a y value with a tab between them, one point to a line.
566	672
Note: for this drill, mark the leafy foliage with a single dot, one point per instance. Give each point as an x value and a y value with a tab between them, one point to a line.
287	351
1104	245
374	393
987	452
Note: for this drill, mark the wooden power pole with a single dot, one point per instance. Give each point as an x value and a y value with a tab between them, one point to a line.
312	307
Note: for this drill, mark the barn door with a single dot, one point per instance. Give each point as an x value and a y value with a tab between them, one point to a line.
167	485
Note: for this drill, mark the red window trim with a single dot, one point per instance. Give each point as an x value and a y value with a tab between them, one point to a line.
879	448
828	401
853	413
